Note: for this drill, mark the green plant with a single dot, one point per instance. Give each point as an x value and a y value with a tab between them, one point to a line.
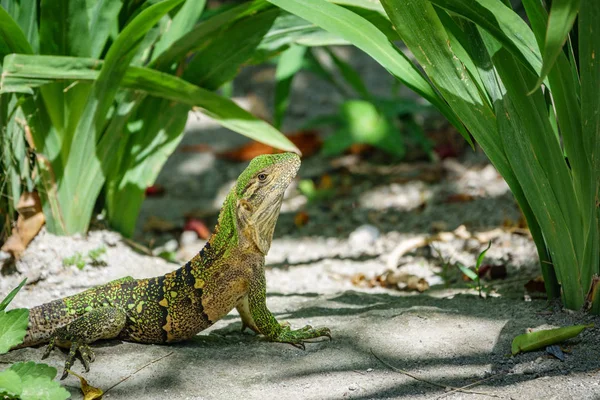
24	380
363	118
528	94
92	258
473	274
76	260
104	89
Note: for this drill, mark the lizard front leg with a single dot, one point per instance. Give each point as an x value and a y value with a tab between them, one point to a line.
99	323
256	316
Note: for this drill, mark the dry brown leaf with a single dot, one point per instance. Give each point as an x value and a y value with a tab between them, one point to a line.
301	219
30	221
89	392
308	142
459	198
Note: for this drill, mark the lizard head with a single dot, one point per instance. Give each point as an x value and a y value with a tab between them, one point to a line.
259	194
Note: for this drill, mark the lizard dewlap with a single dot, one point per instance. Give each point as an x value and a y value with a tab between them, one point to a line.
227	273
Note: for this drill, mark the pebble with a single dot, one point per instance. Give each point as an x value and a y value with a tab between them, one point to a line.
353	387
188	238
364	236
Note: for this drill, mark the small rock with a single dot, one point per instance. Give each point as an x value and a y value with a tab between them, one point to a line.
353	387
364	236
369	369
188	238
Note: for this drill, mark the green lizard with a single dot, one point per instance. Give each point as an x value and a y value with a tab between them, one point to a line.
228	272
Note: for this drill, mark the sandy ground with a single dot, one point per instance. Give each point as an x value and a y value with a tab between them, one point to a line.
446	335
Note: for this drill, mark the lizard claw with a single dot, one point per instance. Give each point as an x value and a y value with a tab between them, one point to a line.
298	337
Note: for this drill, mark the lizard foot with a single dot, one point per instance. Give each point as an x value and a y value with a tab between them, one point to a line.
85	352
297	337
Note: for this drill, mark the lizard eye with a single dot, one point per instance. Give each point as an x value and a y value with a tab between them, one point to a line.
262	177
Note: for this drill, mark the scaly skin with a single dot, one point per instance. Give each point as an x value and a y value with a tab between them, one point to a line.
228	272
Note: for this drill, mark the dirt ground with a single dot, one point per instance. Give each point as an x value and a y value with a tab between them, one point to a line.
320	272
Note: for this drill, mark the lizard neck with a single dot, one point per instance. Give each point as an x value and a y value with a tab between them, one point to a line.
224	239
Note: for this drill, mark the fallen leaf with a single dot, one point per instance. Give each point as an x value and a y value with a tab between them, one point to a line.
196	225
358	279
156	224
155	191
308	142
196	148
492	272
459	198
536	285
30	221
301	219
89	392
539	339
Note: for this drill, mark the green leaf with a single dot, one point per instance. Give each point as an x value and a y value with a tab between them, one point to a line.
540	339
10	384
468	272
13	325
482	256
290	62
42	69
220	60
562	17
33	369
371	40
80	192
42	388
501	22
181	24
11	295
365	124
11	36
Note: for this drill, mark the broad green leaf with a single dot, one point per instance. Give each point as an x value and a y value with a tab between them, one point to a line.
290	62
11	295
81	192
11	36
152	135
540	339
10	384
42	69
13	325
502	23
530	154
220	61
181	24
589	64
33	369
196	38
371	40
562	17
42	388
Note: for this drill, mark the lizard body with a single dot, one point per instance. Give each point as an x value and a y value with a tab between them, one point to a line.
227	273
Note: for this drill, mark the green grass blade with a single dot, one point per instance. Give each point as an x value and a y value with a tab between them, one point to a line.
290	62
6	301
562	17
371	40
